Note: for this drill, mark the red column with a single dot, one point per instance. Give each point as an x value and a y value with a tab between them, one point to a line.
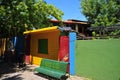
27	48
64	50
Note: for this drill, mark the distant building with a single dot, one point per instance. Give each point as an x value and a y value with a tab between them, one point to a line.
77	25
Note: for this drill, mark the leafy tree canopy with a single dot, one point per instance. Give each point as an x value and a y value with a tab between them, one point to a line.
17	16
101	12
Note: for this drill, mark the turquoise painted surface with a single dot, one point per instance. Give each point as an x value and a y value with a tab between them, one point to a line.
72	40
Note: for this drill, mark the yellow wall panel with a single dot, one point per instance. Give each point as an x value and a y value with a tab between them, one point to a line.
53	45
35	60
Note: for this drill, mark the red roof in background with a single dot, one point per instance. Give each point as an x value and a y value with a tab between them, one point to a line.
71	21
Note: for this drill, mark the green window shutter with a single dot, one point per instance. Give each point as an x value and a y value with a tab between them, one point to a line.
43	46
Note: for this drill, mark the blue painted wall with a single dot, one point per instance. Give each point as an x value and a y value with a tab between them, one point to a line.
19	43
72	37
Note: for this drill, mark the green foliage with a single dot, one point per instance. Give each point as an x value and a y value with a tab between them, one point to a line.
115	33
93	33
17	16
101	12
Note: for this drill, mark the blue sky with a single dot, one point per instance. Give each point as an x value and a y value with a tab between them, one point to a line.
71	8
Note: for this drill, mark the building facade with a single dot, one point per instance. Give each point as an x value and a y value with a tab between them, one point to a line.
77	25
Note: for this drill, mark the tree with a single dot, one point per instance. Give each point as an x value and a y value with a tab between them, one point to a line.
101	12
16	16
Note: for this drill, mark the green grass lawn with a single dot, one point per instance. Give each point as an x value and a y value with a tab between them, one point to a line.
98	59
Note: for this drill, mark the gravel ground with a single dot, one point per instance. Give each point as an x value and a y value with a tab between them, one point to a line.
11	72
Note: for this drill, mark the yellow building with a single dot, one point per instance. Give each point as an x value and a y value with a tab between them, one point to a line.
44	43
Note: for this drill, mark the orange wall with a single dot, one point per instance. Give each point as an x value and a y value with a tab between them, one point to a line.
53	46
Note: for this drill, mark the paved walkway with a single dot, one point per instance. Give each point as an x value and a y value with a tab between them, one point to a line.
11	72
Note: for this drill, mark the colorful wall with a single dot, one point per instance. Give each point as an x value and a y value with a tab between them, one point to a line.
53	46
54	43
98	59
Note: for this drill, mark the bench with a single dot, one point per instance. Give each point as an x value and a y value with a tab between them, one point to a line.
56	69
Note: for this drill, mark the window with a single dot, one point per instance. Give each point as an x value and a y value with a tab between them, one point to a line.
43	46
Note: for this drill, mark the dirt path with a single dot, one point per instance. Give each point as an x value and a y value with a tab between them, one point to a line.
11	72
